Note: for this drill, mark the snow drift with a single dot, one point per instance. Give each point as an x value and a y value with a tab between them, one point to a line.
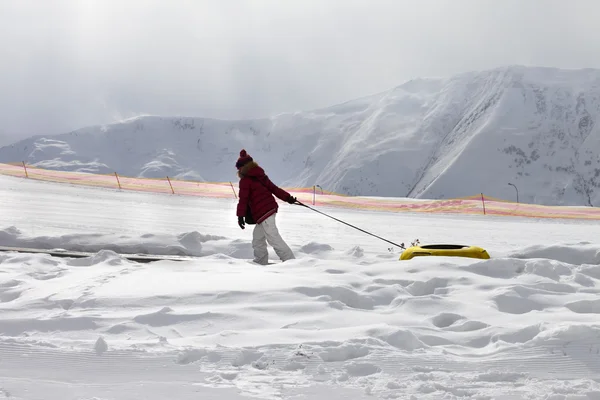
346	319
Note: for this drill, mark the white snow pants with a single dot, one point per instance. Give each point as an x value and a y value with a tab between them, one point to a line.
265	232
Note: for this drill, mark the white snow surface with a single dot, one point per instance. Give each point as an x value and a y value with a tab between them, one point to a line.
472	133
345	320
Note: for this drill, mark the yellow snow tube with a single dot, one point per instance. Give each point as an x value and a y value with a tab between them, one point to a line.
445	250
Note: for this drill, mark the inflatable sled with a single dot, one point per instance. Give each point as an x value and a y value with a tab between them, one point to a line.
445	250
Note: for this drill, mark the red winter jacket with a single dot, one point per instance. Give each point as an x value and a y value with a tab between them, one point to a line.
257	190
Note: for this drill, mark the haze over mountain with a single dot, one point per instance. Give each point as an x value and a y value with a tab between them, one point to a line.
427	138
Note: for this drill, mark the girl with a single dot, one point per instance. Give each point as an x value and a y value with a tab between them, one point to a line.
258	206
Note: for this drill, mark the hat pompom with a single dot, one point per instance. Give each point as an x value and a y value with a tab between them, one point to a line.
243	160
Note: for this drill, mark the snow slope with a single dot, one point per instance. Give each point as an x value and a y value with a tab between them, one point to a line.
428	138
346	319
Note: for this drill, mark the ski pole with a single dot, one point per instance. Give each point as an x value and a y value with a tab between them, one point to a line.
362	230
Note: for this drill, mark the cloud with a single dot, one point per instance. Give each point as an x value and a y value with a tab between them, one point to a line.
71	63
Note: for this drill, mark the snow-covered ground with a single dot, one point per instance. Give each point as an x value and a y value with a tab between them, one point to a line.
345	320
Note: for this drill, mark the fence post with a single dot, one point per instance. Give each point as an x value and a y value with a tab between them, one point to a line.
173	191
233	190
483	202
25	168
118	182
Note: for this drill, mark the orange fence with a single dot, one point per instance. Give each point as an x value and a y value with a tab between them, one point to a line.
478	204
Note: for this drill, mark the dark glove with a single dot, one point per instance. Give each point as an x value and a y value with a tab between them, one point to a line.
241	222
291	200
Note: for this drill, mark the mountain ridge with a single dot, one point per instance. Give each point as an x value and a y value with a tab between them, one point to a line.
474	132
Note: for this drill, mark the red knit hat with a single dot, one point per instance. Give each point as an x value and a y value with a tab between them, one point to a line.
243	160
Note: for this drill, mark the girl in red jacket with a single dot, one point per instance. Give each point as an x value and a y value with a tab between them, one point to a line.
257	204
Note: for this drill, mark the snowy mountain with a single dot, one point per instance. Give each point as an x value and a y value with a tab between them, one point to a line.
428	138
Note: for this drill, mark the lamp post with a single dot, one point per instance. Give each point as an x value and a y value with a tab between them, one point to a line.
315	192
516	190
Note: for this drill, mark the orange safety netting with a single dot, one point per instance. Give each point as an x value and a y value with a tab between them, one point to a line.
478	204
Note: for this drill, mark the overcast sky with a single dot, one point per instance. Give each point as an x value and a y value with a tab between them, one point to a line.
65	64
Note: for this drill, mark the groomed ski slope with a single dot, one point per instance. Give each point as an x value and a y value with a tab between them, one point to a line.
346	320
